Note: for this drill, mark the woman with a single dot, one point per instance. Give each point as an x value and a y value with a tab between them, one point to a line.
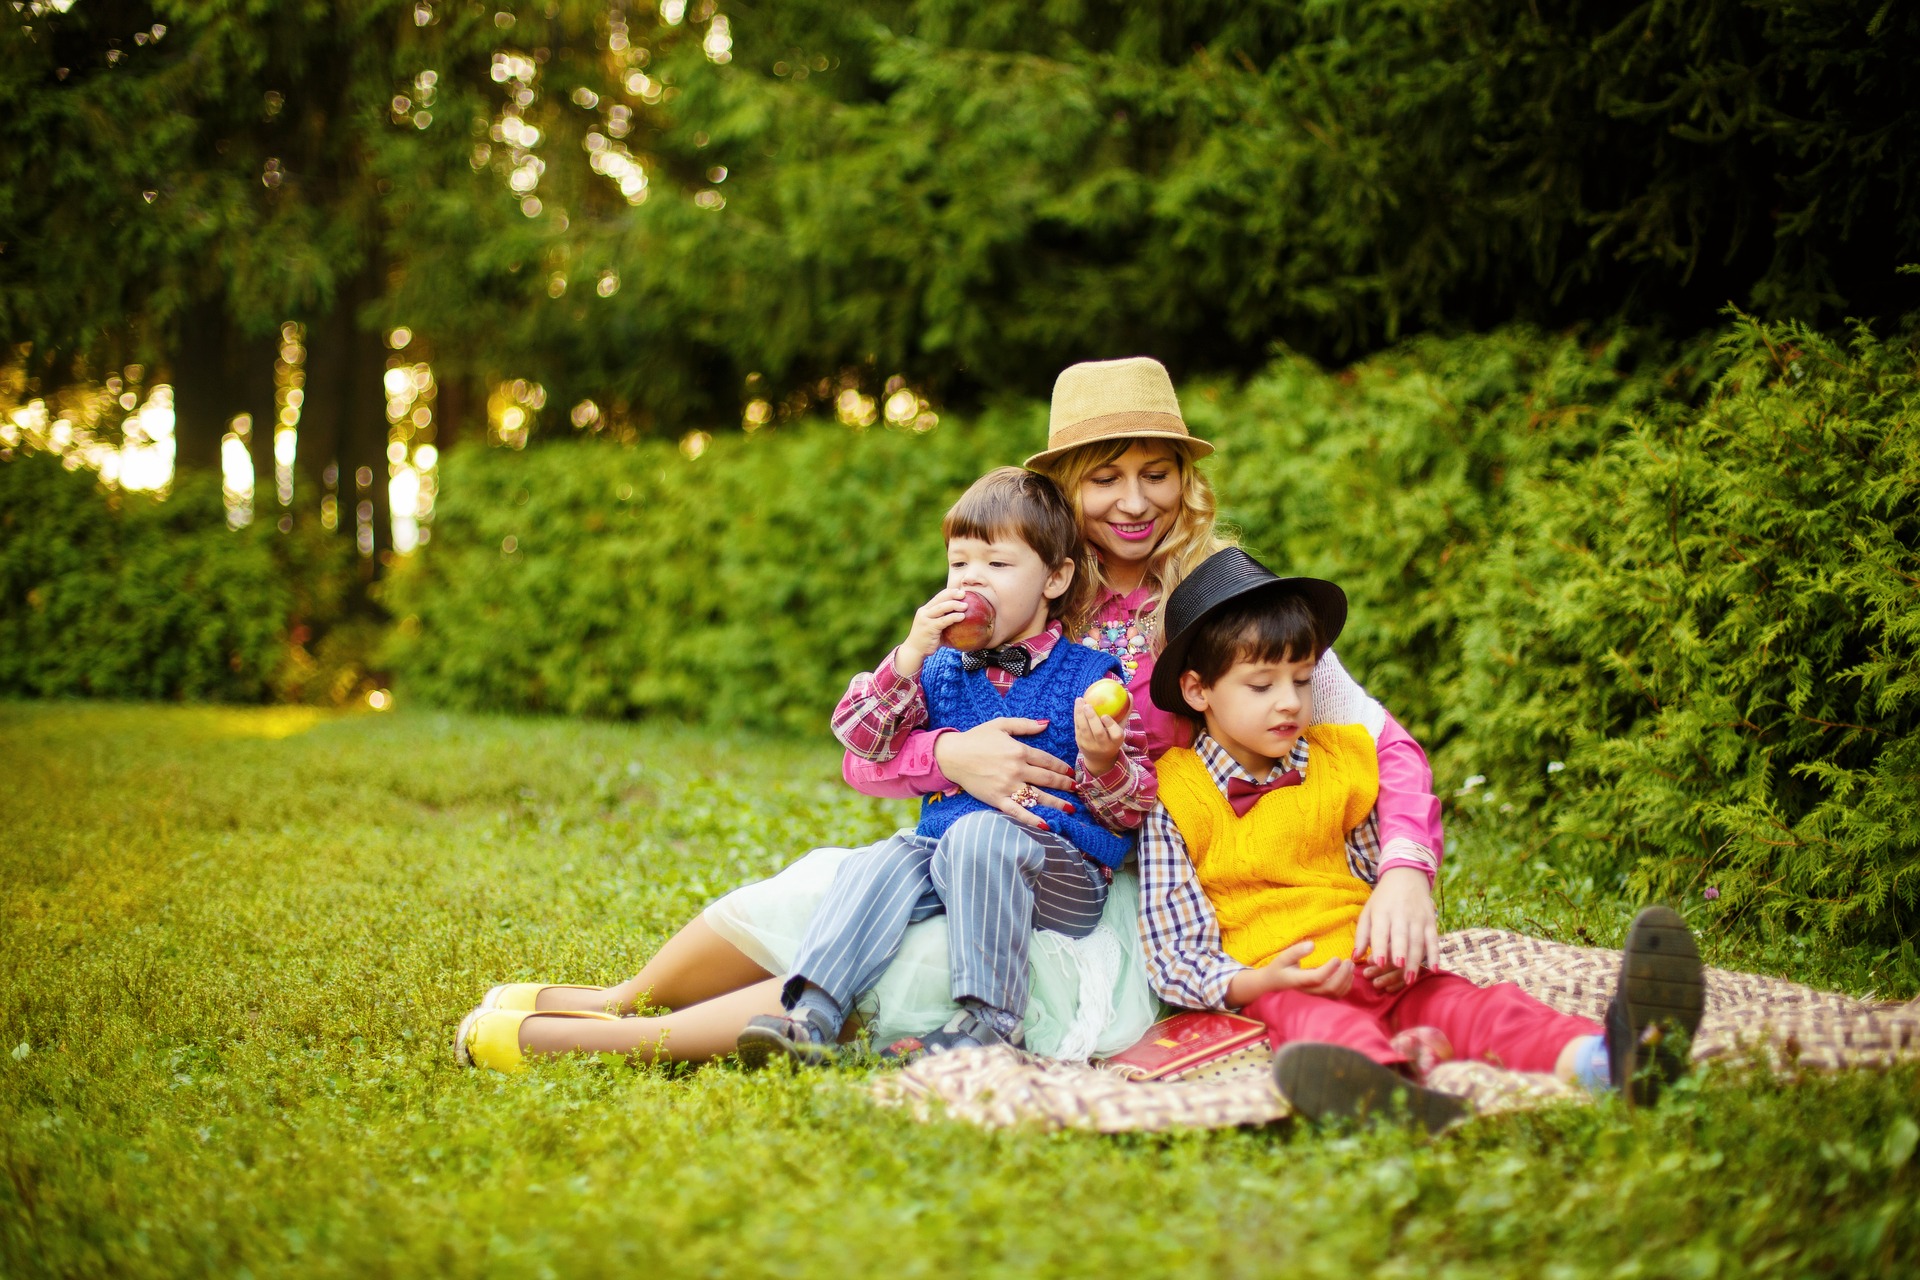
1120	450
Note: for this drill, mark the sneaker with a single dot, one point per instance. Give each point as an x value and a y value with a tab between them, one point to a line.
1331	1081
965	1030
803	1039
1656	1008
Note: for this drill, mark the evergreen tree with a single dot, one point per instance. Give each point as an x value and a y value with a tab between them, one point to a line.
669	209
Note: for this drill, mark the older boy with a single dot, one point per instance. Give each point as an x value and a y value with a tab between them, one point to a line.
1246	852
1011	538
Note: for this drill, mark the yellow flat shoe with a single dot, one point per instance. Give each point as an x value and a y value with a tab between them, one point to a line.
491	1037
524	995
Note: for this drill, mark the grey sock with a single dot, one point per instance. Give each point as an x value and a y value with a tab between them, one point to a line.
821	1010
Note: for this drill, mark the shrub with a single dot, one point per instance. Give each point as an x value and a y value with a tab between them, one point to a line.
1395	477
123	595
1665	605
744	587
1714	622
1669	617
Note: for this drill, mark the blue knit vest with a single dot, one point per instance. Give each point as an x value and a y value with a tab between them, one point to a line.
957	699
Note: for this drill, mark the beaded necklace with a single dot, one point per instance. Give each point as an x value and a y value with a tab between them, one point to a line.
1127	638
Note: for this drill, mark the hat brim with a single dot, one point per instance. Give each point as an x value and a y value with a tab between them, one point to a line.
1325	600
1196	447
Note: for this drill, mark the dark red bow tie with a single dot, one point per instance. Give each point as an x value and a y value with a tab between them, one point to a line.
1243	795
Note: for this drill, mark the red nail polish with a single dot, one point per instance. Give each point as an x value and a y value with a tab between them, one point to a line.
1071	809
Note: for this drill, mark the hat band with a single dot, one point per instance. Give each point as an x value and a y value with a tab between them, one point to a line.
1115	426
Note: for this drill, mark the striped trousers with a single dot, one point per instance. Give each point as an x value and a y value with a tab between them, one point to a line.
997	881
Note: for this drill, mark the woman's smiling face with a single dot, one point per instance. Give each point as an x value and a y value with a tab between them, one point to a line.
1127	506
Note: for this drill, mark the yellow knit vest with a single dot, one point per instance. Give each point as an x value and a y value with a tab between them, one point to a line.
1279	875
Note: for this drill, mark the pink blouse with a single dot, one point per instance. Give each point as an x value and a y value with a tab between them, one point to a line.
1407	808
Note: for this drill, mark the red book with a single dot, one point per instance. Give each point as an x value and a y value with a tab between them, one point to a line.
1178	1044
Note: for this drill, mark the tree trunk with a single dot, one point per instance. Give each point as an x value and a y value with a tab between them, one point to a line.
253	361
329	343
460	413
343	421
219	373
199	373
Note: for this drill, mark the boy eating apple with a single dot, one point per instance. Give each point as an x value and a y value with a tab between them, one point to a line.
1013	540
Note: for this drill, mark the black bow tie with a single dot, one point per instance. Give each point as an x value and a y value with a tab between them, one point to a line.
1014	659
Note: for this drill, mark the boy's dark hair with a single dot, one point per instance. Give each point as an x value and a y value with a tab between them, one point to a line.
1265	626
1012	501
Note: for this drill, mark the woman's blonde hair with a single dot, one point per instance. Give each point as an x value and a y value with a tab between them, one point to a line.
1192	538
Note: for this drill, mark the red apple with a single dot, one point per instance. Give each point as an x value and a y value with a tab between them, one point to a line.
975	630
1109	698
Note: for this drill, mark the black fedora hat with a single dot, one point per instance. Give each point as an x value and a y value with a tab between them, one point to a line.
1222	577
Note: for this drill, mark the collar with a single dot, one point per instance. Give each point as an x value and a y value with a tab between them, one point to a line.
1041	645
1221	766
1128	602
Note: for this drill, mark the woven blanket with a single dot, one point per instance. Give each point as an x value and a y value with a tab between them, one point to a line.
1787	1025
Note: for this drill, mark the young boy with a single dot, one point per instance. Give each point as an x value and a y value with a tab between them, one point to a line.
1247	900
1012	539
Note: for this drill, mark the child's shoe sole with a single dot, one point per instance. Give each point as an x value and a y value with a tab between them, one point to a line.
1657	1006
766	1038
1330	1081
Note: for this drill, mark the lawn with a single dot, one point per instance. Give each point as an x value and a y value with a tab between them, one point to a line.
236	943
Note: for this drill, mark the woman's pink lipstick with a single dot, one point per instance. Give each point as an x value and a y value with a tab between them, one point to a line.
1132	533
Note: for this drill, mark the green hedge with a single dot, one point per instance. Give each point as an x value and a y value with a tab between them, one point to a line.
121	595
744	587
750	583
1395	476
1669	616
1663	605
1714	623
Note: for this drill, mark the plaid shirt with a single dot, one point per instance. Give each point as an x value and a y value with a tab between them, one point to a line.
1185	965
881	707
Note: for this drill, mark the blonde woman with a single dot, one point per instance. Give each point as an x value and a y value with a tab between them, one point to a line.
1120	450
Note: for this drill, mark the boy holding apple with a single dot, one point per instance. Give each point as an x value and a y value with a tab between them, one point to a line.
989	645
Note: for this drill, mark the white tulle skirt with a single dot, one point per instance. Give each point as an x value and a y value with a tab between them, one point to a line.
1089	996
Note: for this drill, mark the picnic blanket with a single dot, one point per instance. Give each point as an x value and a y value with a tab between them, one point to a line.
1786	1024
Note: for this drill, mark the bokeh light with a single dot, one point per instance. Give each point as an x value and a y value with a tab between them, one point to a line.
290	395
120	428
413	460
236	470
510	411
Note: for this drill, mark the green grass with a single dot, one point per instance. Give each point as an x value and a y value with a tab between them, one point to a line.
235	945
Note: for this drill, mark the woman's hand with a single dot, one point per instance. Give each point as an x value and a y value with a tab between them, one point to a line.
1398	927
930	621
991	764
1283	973
1100	739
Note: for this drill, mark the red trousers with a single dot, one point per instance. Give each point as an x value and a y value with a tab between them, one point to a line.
1500	1024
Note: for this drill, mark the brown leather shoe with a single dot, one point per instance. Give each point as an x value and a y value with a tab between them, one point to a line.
1331	1081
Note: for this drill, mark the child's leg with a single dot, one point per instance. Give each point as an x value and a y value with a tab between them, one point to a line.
1500	1024
858	926
1001	881
695	964
698	1033
1353	1020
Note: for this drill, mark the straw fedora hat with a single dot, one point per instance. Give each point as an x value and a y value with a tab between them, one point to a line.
1113	400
